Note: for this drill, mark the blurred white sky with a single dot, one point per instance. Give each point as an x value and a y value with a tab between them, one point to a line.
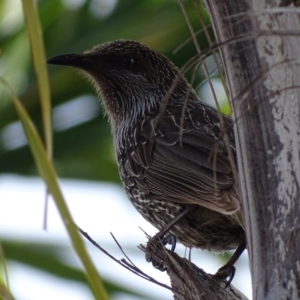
99	209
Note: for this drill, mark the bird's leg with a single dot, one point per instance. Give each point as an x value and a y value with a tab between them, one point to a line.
228	270
162	233
166	239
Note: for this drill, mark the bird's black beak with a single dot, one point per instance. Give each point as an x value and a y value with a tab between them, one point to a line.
74	60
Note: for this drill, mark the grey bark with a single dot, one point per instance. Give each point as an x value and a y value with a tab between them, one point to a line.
187	280
260	48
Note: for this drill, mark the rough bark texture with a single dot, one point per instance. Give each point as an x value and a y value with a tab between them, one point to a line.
261	51
187	280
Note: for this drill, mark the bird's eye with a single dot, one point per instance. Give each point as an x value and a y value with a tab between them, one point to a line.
127	62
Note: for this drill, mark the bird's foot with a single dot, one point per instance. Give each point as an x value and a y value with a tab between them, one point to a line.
227	271
168	239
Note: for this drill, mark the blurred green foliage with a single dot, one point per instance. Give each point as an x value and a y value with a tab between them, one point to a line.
85	149
48	258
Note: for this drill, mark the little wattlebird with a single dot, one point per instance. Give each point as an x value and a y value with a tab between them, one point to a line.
170	146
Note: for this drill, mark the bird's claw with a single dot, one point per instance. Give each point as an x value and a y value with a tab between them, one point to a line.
157	264
225	272
169	239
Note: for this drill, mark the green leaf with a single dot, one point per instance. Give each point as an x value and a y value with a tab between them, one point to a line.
48	173
39	58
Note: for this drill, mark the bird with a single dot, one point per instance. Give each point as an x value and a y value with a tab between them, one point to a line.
170	146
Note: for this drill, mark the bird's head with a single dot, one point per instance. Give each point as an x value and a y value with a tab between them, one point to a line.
131	78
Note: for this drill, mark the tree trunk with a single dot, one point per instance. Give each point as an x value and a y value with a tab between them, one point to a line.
260	48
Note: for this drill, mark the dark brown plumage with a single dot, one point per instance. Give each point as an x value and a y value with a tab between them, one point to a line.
166	169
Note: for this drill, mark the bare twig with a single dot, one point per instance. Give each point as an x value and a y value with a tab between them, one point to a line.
123	262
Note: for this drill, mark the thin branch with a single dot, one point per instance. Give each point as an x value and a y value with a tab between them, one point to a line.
120	247
123	262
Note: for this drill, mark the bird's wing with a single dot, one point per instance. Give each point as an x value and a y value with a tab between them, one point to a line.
187	166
